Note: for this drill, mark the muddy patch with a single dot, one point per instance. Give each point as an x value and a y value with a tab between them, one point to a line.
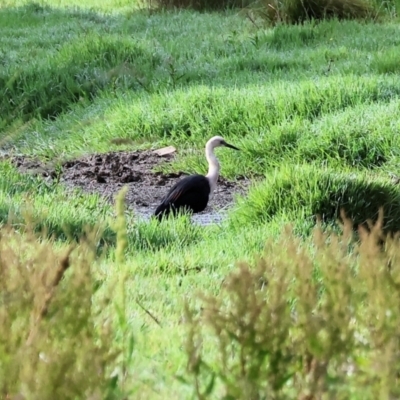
106	174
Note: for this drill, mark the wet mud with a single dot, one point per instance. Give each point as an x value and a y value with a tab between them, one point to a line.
106	174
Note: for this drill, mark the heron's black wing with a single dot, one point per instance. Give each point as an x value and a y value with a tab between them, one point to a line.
191	192
189	184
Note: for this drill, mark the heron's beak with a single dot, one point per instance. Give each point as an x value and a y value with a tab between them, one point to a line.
230	146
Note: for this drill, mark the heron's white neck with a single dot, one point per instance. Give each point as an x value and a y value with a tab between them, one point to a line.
213	168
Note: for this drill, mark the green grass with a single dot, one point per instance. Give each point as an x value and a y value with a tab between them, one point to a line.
24	195
314	108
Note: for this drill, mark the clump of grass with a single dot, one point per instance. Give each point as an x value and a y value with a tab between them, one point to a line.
364	136
151	236
354	146
303	192
299	11
387	62
77	72
306	322
45	204
54	340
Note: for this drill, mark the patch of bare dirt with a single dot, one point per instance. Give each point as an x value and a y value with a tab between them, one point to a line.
108	173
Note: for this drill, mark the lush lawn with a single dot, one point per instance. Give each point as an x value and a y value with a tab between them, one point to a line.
315	109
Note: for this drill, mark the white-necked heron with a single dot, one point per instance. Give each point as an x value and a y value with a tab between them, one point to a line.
195	191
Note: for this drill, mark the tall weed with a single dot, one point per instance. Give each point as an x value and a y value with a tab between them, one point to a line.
307	322
54	341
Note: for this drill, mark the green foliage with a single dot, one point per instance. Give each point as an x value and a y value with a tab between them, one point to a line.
305	322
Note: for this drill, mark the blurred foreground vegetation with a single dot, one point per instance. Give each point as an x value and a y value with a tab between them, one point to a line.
309	319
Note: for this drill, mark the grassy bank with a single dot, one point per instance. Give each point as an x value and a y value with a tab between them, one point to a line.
314	108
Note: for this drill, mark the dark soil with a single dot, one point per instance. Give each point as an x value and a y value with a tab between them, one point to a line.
108	173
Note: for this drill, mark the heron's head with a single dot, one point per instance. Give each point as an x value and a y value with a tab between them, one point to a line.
218	141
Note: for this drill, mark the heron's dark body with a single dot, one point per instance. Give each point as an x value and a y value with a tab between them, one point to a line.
191	192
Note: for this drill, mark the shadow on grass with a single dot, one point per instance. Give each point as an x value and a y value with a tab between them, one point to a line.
302	193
